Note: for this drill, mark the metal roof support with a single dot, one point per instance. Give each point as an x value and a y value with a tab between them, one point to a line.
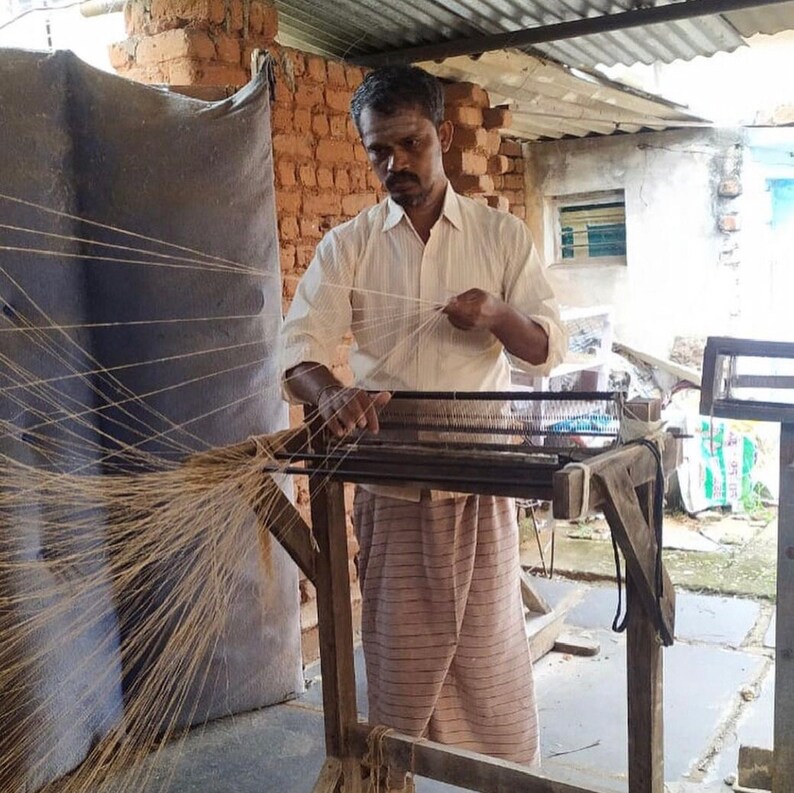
687	9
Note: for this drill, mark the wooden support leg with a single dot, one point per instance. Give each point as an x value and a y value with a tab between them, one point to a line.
783	778
334	613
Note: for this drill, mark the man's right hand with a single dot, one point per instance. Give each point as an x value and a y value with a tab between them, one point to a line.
345	409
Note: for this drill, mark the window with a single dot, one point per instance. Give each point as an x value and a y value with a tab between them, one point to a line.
591	229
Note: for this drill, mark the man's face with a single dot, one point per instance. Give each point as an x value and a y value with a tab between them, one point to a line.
405	151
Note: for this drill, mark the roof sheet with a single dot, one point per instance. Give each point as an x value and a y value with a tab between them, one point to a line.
345	28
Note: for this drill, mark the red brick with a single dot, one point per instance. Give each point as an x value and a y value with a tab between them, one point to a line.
510	148
498	181
355	76
355	203
513	196
256	17
288	145
466	94
334	151
323	204
729	222
308	95
310	228
228	48
234	14
457	161
467	183
270	23
352	131
302	120
187	71
519	210
288	228
498	164
306	175
465	116
342	180
200	12
303	255
285	172
469	137
498	202
150	75
320	125
359	154
281	118
338	99
288	202
287	261
336	73
338	126
297	62
136	17
122	53
315	68
358	177
514	181
493	141
248	46
173	44
373	181
496	117
325	177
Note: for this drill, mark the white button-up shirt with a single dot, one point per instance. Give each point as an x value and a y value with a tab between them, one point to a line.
375	276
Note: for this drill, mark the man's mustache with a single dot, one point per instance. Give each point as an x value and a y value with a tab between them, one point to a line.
401	178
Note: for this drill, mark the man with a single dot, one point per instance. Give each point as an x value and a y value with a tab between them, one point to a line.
435	288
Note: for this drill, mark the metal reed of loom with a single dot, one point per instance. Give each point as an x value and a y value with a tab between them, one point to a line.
487	442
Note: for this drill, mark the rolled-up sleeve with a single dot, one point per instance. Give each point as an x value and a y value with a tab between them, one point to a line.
320	313
527	289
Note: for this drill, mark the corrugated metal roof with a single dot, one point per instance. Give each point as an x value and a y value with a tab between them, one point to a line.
347	28
549	100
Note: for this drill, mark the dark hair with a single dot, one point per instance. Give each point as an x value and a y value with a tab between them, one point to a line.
391	88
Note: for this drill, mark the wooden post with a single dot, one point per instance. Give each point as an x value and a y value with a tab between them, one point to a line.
644	664
334	612
783	778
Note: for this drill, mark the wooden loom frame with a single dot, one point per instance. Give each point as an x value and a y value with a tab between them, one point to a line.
622	485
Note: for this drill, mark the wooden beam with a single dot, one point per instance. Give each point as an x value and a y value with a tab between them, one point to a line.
644	676
638	545
277	514
784	641
461	767
330	776
559	31
334	612
568	483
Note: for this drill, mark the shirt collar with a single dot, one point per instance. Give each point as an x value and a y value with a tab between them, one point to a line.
450	210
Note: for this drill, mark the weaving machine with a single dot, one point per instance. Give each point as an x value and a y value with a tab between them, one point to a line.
563	446
754	380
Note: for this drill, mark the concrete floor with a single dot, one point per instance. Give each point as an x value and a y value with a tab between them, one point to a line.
718	695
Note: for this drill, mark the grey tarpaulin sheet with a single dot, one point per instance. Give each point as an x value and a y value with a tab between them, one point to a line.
199	175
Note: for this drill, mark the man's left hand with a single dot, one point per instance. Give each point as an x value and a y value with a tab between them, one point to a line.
474	309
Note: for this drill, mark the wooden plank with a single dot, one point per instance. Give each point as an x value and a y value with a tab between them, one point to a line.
330	776
530	596
568	483
638	545
572	644
277	514
644	675
466	769
784	637
334	612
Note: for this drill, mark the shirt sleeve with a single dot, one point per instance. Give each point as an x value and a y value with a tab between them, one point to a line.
527	289
320	313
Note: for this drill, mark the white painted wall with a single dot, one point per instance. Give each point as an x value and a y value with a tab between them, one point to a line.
679	279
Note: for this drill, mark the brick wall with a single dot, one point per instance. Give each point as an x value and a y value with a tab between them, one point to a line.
322	176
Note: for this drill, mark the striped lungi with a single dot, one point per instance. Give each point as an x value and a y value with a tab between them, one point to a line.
442	622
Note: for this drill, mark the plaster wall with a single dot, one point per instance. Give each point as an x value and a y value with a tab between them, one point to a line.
675	281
